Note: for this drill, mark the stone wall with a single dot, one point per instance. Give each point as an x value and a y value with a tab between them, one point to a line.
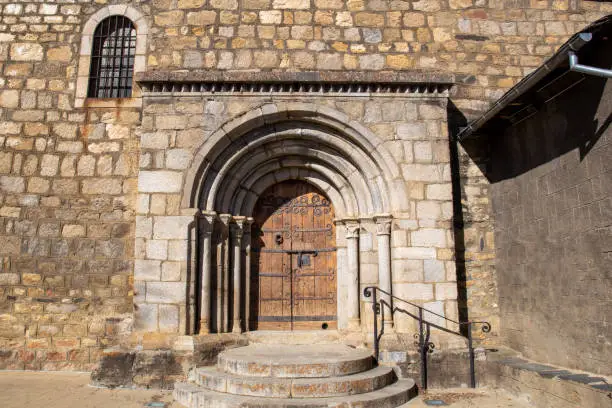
552	203
413	133
67	198
68	175
491	45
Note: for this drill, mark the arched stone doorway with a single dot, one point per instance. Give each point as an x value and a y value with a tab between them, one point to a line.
293	261
239	162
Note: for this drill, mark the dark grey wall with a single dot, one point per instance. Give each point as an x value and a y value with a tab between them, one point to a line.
551	188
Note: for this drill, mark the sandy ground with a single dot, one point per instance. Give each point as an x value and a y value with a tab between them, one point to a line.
67	390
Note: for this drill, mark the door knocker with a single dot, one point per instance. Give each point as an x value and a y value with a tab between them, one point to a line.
278	238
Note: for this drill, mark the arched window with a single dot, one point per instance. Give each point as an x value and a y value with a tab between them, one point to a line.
112	58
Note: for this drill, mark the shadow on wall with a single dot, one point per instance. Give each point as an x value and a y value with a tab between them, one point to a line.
457	120
575	118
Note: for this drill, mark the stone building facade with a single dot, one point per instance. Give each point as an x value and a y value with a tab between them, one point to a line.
104	203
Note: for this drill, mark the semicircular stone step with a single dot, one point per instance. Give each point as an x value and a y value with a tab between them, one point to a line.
273	387
295	361
392	396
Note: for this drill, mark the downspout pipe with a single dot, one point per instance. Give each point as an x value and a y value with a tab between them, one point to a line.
586	69
573	45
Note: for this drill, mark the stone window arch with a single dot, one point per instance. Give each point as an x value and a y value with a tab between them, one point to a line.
85	93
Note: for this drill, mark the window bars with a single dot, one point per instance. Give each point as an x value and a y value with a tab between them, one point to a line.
112	59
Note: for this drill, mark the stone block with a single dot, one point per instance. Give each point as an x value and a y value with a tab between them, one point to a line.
168	318
428	210
145	317
59	54
86	165
102	186
413	291
171	271
446	291
439	191
144	227
435	313
12	184
411	131
73	230
435	173
147	270
166	292
157	249
407	270
429	237
26	52
201	18
270	17
434	270
9	98
104	147
177	250
413	253
171	227
291	4
49	165
178	159
160	181
156	140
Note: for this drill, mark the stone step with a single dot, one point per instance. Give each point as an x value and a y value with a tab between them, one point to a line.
391	396
295	361
294	337
213	379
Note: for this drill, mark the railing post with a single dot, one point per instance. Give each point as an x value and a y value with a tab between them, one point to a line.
471	351
375	309
423	351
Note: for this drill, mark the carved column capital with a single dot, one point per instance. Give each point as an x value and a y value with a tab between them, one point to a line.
207	222
352	229
383	224
238	226
225	219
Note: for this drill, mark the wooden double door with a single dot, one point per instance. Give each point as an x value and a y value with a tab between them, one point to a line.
293	260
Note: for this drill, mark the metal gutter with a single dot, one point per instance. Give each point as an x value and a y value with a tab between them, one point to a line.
572	45
586	69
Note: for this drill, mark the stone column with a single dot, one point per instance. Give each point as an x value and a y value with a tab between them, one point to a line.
383	232
224	323
352	278
247	271
207	222
238	233
219	243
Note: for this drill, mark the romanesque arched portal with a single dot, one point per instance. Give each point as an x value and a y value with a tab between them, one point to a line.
264	147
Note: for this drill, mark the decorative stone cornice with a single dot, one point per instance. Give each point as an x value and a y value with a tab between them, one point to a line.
164	82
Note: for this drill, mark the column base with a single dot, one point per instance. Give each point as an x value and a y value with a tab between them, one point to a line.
237	327
354	325
204	327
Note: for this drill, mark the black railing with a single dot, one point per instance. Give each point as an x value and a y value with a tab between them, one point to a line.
423	343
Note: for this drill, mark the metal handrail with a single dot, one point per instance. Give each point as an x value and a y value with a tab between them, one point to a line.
425	346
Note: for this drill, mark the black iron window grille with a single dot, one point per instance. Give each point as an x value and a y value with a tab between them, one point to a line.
112	59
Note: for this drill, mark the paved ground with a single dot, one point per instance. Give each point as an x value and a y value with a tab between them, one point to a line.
460	398
67	390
